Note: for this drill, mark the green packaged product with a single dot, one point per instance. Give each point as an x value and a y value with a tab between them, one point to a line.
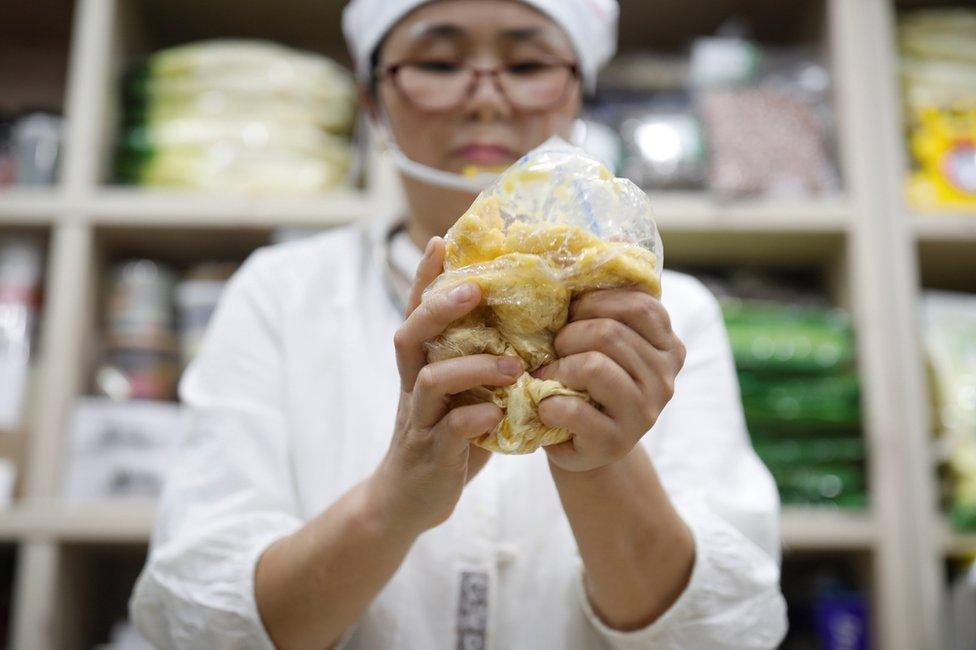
818	484
798	404
782	338
809	451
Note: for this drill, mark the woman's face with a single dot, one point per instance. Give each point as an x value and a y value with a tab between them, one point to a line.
484	129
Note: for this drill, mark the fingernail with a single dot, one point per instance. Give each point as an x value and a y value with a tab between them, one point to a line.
430	247
510	366
462	293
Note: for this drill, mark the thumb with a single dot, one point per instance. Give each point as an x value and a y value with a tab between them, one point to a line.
427	271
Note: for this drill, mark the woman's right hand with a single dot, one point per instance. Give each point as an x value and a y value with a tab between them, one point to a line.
419	482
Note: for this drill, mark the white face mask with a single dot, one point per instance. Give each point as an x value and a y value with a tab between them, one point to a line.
451	180
439	177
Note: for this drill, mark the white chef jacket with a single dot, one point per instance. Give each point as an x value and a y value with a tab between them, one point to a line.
292	402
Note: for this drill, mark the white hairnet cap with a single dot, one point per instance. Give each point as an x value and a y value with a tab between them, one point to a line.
590	24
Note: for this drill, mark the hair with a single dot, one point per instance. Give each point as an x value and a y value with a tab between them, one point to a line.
372	84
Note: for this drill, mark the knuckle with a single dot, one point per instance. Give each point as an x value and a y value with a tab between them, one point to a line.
415	443
400	339
666	383
649	414
638	305
593	363
653	312
680	352
427	379
454	423
668	387
606	333
572	408
449	423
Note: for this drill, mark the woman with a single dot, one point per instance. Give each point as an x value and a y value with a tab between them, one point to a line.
326	494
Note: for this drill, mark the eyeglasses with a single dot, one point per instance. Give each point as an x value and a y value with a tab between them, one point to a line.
439	86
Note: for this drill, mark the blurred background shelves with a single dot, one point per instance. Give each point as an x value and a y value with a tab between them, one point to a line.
841	240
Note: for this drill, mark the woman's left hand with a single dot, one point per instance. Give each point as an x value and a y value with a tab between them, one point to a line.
618	346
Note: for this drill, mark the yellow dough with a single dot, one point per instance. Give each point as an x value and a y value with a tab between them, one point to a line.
528	269
521	432
476	239
613	265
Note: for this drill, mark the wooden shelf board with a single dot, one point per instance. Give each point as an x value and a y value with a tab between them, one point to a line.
139	207
954	227
696	211
813	529
12	525
955	542
802	529
30	206
679	212
128	522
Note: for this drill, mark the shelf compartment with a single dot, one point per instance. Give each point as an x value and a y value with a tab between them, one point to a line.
34	44
948	263
771	22
178	248
828	582
15	440
35	40
94	583
140	28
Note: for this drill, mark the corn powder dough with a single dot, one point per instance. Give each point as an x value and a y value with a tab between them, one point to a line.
553	226
528	273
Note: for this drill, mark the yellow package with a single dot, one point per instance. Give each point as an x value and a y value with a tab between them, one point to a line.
943	144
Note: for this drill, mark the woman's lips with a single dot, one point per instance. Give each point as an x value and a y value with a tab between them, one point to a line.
486	154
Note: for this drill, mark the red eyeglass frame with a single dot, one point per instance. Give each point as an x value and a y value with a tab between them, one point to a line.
391	72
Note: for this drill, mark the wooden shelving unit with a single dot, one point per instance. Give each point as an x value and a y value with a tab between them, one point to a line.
875	254
809	530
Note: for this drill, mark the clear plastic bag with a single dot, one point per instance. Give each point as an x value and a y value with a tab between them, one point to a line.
554	225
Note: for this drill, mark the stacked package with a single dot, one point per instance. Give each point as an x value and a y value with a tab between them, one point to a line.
237	116
950	336
154	324
801	397
938	68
